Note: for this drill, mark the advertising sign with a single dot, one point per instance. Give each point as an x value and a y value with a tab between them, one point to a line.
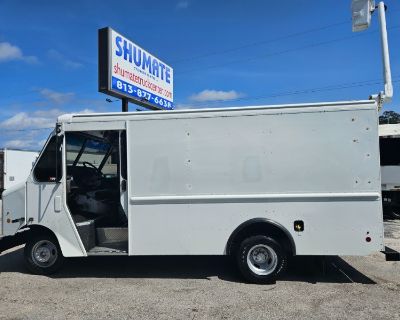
128	71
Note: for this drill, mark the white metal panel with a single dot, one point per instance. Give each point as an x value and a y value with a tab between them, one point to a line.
17	166
310	151
387	130
390	178
99	125
44	210
13	208
92	119
331	227
283	153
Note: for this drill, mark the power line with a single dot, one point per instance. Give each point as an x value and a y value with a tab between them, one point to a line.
27	129
288	36
250	45
284	51
293	35
286	93
298	92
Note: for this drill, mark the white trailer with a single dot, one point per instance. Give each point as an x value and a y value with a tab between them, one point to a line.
257	183
389	140
15	166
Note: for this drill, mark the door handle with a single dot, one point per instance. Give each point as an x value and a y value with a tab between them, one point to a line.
57	203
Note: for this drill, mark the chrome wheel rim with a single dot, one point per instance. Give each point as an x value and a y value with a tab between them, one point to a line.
44	253
262	259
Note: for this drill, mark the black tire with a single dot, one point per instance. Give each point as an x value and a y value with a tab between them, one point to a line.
49	248
276	258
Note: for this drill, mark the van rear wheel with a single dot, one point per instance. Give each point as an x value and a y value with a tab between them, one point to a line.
261	259
43	255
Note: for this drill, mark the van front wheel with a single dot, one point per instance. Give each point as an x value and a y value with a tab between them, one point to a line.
261	259
43	255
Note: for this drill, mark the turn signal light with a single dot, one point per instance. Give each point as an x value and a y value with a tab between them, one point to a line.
299	225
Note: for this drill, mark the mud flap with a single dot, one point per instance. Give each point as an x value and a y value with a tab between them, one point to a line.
391	254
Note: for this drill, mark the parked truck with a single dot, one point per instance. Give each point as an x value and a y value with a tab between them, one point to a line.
389	140
15	166
259	184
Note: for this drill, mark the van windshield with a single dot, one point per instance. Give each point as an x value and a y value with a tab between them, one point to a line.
82	149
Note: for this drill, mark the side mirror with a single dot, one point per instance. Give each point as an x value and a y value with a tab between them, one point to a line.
361	14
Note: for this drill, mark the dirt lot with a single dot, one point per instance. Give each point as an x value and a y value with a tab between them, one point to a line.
202	288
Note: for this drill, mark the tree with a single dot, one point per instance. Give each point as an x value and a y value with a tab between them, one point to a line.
389	117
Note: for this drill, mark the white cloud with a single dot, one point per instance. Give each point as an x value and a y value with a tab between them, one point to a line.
60	58
215	95
9	52
22	144
28	130
23	120
182	4
56	97
36	120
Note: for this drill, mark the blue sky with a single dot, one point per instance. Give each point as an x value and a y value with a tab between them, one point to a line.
224	53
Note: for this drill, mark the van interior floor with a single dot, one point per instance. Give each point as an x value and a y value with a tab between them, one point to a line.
103	240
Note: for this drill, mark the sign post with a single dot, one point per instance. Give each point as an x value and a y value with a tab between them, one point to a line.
124	105
129	72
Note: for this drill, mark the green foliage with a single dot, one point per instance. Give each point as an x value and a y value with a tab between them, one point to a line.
389	117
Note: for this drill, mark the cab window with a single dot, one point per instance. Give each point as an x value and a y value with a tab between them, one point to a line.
48	168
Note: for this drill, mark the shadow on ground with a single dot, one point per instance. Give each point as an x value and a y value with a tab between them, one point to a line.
301	269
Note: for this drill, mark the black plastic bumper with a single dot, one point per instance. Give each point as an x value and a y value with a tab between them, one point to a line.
11	242
391	254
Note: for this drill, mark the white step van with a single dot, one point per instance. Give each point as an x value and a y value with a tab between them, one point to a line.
258	183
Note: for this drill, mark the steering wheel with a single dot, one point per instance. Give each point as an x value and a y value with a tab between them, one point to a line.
88	164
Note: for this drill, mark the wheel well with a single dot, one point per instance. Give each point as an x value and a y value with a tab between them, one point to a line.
261	226
29	232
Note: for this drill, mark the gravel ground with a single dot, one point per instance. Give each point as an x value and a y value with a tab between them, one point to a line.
202	288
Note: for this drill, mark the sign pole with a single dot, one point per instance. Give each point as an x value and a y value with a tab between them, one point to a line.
124	105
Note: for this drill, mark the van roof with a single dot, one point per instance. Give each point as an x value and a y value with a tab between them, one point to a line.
103	116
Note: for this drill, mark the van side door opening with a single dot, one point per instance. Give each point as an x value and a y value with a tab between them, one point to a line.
93	190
